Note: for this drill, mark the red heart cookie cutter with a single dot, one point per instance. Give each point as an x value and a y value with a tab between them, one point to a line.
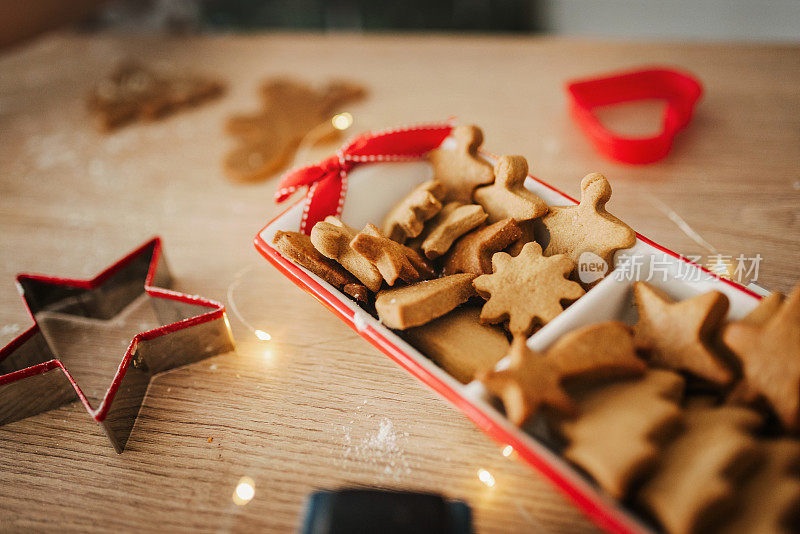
680	90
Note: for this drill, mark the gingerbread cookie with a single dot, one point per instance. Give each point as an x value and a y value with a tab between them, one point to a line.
617	435
461	170
587	227
598	351
359	292
135	92
452	222
527	290
767	307
769	351
694	485
290	110
528	233
508	198
392	259
459	343
407	218
417	304
529	383
678	335
298	248
473	252
332	238
770	497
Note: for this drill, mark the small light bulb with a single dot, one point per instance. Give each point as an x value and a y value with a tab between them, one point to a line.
486	477
245	491
263	336
507	450
342	121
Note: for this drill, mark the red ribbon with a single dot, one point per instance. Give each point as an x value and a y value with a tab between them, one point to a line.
327	180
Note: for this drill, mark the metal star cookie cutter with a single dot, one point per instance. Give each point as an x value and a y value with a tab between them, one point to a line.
33	378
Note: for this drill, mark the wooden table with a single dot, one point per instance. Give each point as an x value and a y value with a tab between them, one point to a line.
317	407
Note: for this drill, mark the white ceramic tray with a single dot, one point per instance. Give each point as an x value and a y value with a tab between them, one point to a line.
374	189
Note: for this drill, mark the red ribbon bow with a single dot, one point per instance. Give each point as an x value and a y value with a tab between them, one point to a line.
327	180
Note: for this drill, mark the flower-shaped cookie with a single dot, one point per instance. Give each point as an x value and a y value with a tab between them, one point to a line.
527	290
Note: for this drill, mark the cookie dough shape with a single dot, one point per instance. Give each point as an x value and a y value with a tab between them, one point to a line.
679	335
508	198
459	343
587	226
332	238
135	92
473	252
461	170
452	222
392	259
417	304
527	290
529	383
298	248
268	138
769	350
617	435
695	484
407	218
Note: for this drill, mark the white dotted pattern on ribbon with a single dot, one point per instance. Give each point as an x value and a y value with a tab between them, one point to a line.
344	158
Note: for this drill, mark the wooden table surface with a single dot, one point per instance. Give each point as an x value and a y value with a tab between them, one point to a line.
318	407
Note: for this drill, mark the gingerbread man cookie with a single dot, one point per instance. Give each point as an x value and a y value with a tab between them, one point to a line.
268	138
527	290
461	170
332	238
587	227
769	350
508	198
407	218
678	335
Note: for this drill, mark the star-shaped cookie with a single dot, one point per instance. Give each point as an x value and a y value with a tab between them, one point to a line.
678	335
530	382
769	350
527	290
587	226
392	259
507	197
461	170
473	252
